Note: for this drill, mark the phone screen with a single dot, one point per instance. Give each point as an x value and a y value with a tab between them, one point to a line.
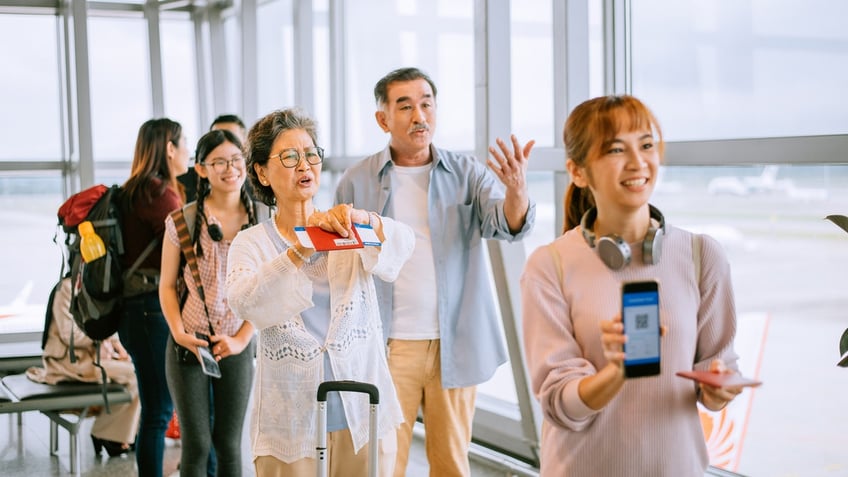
640	313
207	361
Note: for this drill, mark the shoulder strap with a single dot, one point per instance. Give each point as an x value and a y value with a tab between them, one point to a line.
696	257
190	213
187	249
557	263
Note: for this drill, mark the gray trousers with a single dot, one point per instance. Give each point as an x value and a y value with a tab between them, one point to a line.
192	392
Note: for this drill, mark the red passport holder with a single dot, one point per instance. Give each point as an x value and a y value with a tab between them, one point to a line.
324	241
719	380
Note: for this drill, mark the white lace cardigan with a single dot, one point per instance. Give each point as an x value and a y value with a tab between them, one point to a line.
265	288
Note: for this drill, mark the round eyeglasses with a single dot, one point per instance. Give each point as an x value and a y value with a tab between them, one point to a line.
291	157
220	165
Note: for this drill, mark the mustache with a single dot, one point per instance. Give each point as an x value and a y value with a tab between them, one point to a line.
419	127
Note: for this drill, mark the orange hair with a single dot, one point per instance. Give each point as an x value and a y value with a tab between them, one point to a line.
589	129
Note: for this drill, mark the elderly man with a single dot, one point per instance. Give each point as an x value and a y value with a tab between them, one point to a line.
439	317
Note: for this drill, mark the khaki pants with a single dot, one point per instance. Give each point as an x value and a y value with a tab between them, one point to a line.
342	461
448	413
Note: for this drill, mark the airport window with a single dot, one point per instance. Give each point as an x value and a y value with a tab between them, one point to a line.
179	76
730	69
749	94
532	71
724	71
322	74
788	267
275	53
232	96
435	36
31	262
30	89
120	84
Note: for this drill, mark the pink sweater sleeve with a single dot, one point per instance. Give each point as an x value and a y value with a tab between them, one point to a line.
554	356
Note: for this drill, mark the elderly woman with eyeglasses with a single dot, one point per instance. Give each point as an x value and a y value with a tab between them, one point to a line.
316	312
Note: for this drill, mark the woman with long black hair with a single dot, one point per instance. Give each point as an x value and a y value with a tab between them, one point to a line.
150	194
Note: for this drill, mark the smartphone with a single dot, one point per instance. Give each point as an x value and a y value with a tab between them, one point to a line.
207	361
640	314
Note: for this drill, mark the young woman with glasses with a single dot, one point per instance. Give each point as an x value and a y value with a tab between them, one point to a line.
223	208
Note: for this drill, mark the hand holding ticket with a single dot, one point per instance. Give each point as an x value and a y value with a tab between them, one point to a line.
719	380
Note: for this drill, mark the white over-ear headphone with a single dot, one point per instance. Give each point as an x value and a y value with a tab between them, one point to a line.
614	251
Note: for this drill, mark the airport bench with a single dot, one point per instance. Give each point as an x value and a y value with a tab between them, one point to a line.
16	357
65	404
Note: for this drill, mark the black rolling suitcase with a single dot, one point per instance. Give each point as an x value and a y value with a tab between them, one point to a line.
347	386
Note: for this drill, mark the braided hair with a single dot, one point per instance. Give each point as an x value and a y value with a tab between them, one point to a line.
206	145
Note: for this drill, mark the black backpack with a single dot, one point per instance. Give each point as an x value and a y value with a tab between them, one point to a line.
97	287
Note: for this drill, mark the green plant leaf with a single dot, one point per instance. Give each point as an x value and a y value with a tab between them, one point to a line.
839	220
843	349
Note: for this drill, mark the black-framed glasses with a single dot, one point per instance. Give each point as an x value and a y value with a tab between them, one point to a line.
220	165
291	157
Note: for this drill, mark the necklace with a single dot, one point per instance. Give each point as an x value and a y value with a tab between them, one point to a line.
305	260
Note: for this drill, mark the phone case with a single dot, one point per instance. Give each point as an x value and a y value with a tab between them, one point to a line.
719	380
640	318
207	362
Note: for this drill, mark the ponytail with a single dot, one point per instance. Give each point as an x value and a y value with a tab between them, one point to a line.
577	201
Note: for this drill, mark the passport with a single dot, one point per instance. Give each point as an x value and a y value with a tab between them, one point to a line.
719	380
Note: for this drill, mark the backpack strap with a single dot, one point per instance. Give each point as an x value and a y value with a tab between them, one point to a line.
187	248
48	317
143	255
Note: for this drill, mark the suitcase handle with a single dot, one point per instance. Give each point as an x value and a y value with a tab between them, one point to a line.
347	385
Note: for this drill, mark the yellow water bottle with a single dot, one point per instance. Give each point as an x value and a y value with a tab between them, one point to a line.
91	245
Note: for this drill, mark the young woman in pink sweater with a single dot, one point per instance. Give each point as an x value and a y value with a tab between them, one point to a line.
596	421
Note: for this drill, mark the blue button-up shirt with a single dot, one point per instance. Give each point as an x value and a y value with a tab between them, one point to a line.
466	205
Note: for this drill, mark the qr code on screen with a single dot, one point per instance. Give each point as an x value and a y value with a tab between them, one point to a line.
641	321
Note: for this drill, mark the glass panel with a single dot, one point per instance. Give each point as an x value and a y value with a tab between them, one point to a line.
120	84
275	53
30	258
742	68
502	386
179	76
789	270
541	187
30	125
321	72
436	37
532	71
232	35
596	48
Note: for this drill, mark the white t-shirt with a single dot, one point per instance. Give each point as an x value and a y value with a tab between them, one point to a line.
415	311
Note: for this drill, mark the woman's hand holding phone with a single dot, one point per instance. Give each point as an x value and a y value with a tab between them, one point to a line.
613	339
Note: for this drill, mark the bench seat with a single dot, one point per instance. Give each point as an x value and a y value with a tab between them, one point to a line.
17	356
4	395
31	396
59	402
